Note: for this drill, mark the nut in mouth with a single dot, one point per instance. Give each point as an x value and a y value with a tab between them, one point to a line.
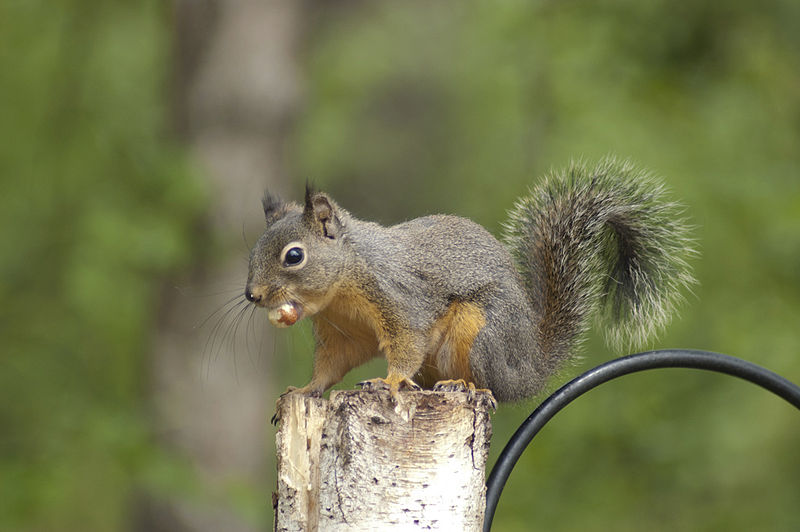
285	315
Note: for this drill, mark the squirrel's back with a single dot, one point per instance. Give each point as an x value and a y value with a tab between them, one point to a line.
426	263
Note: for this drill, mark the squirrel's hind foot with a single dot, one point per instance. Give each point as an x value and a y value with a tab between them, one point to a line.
460	385
455	385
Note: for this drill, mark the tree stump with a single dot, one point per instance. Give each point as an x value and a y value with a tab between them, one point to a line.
361	462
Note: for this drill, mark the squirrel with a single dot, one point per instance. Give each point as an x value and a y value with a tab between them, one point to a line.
446	302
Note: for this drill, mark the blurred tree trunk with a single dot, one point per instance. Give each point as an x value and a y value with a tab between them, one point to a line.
236	91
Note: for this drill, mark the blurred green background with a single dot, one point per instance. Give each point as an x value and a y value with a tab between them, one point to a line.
404	109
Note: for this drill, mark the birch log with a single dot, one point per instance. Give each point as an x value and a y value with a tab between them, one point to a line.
361	462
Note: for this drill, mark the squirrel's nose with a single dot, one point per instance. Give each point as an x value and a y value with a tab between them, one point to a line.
251	297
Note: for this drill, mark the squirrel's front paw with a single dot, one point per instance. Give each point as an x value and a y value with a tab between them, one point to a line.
289	389
305	390
393	383
374	385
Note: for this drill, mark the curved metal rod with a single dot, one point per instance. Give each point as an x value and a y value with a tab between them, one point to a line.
669	358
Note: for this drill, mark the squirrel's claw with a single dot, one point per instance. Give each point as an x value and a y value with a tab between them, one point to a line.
460	385
373	385
305	390
393	383
455	385
289	389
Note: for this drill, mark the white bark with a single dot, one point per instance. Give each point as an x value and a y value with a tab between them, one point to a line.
360	462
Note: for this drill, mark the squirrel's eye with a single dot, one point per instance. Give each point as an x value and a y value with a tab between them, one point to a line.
294	256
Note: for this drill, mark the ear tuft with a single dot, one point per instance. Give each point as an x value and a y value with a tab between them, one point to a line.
309	192
274	207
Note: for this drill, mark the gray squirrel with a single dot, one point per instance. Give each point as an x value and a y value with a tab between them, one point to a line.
451	307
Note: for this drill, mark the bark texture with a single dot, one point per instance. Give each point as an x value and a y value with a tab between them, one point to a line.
360	462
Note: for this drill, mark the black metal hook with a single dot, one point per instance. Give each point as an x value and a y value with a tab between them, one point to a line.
670	358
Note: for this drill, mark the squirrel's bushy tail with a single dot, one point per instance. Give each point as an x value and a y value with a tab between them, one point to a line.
603	242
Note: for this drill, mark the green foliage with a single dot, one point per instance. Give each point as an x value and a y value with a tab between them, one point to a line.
95	207
413	107
420	107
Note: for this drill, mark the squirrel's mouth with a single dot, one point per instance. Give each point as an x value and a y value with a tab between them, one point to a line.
286	314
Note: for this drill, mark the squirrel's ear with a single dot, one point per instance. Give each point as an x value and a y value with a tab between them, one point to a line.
321	213
274	207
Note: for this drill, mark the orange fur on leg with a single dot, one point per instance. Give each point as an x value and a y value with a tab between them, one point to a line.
452	337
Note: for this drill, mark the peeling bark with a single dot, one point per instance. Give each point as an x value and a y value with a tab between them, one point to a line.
360	462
